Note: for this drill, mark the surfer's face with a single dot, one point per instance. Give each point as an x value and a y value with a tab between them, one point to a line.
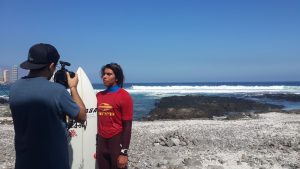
109	78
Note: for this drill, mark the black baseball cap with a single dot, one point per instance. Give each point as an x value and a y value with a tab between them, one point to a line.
40	55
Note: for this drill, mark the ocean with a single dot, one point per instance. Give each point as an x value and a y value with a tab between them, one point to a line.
145	95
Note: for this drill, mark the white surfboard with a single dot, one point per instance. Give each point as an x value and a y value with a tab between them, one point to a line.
82	147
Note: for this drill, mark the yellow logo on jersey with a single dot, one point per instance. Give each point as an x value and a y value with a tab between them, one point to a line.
105	109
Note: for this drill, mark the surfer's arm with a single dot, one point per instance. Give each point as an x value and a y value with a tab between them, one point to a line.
127	115
126	133
72	82
122	160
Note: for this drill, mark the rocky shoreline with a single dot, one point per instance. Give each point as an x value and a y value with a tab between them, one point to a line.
272	141
202	132
7	150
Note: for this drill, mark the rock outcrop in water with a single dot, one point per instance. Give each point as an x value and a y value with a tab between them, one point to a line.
3	100
286	97
188	107
4	107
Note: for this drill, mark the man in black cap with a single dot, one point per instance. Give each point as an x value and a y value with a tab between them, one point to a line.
39	108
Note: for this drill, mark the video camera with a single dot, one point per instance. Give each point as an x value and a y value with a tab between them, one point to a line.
61	77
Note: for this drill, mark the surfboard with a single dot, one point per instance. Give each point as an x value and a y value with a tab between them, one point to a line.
82	147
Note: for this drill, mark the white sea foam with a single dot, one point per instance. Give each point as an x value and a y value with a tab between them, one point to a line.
4	97
212	89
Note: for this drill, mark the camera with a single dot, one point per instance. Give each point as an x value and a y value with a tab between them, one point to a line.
60	76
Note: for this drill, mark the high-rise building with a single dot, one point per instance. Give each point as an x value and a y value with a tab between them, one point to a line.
14	73
6	76
1	76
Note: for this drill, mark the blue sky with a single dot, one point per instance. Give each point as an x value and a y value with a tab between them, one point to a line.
161	40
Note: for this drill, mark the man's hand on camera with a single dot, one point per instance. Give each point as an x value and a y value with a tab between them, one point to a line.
72	82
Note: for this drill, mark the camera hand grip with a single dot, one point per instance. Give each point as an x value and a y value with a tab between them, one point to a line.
72	74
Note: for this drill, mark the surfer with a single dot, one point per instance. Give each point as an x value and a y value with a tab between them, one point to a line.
115	112
39	108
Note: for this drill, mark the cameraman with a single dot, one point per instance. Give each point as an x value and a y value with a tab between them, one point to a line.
39	108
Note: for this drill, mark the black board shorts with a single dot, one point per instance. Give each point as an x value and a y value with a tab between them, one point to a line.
108	151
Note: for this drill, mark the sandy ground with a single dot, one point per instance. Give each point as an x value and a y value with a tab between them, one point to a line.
271	141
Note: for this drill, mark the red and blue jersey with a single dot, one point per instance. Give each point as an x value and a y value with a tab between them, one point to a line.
113	108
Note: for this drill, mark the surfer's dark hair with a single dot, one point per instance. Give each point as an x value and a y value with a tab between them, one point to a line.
116	68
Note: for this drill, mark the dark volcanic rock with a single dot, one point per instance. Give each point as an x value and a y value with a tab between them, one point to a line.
3	100
187	107
294	111
287	97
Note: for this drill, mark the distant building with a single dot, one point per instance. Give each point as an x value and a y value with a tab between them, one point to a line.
6	76
1	76
14	73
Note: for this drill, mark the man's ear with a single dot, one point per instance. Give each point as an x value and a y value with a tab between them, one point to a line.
52	67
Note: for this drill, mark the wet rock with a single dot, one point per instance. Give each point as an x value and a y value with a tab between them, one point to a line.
4	100
187	107
286	97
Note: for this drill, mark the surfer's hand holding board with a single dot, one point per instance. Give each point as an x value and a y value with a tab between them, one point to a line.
73	82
